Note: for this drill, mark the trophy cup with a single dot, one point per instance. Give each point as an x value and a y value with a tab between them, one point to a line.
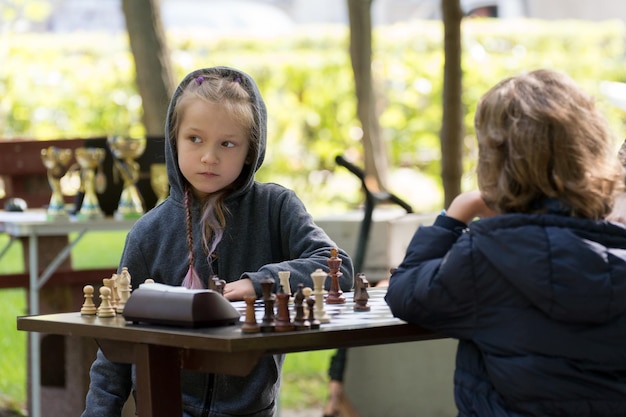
56	161
89	160
159	182
126	150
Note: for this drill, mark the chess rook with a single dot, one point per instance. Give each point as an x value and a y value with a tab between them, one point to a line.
250	324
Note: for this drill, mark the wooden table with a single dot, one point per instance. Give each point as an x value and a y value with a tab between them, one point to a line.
159	352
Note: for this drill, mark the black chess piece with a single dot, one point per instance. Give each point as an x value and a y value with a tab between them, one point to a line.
250	324
361	296
299	321
268	324
283	318
315	323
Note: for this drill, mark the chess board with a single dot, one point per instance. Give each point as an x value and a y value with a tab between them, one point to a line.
340	314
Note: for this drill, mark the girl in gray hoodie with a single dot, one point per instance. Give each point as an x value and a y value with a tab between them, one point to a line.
219	221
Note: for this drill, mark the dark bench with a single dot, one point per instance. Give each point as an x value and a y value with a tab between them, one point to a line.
24	176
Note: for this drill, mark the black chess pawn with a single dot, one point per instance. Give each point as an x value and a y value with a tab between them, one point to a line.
299	321
315	323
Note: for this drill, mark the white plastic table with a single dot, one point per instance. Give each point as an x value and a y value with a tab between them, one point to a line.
32	224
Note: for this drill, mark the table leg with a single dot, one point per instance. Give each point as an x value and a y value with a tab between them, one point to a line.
35	284
158	381
6	248
35	358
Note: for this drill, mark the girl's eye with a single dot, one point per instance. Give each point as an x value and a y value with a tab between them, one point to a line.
228	144
195	139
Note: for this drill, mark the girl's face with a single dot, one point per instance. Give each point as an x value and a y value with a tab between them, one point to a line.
212	146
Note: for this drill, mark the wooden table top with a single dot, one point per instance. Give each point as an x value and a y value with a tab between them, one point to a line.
346	329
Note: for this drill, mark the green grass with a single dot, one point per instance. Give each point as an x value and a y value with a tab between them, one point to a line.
13	348
305	383
305	380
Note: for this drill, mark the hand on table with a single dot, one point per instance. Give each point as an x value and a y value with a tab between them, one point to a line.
236	290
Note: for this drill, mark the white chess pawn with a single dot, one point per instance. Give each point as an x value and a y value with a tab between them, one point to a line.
105	309
88	308
319	277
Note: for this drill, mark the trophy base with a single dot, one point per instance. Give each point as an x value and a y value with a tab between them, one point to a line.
89	216
57	217
127	216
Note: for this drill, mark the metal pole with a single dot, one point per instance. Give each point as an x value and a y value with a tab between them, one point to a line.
35	358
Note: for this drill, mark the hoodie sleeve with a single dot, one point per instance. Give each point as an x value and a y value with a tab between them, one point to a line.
433	286
304	246
109	388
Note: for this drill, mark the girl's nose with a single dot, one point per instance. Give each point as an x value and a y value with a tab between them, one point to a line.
209	157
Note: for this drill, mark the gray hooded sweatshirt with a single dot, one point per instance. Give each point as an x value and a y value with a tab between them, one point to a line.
267	230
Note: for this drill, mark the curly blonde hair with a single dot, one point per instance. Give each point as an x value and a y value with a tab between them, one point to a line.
540	136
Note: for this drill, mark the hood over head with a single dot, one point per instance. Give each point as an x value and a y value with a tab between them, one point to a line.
176	179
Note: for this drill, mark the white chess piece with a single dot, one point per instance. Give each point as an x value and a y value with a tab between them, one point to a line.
88	308
105	309
319	277
124	288
283	277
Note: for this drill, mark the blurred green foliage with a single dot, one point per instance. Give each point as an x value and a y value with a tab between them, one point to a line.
81	85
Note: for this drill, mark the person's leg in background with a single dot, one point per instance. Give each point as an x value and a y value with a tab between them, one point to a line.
338	404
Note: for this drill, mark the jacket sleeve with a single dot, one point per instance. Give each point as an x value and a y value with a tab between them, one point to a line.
304	246
109	388
433	286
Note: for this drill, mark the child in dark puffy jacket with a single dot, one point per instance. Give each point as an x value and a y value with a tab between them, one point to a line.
525	271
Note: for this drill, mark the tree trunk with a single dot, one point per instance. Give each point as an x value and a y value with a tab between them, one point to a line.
152	61
374	149
452	130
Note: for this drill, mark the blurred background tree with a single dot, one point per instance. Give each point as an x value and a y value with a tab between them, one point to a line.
67	84
153	67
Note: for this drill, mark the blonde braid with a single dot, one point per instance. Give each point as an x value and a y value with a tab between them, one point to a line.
189	227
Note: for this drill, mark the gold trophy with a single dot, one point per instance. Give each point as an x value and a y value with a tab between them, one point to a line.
159	182
89	160
56	161
126	150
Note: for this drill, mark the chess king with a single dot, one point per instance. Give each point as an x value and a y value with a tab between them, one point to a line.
218	220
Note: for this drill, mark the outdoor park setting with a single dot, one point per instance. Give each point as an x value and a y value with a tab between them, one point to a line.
390	86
